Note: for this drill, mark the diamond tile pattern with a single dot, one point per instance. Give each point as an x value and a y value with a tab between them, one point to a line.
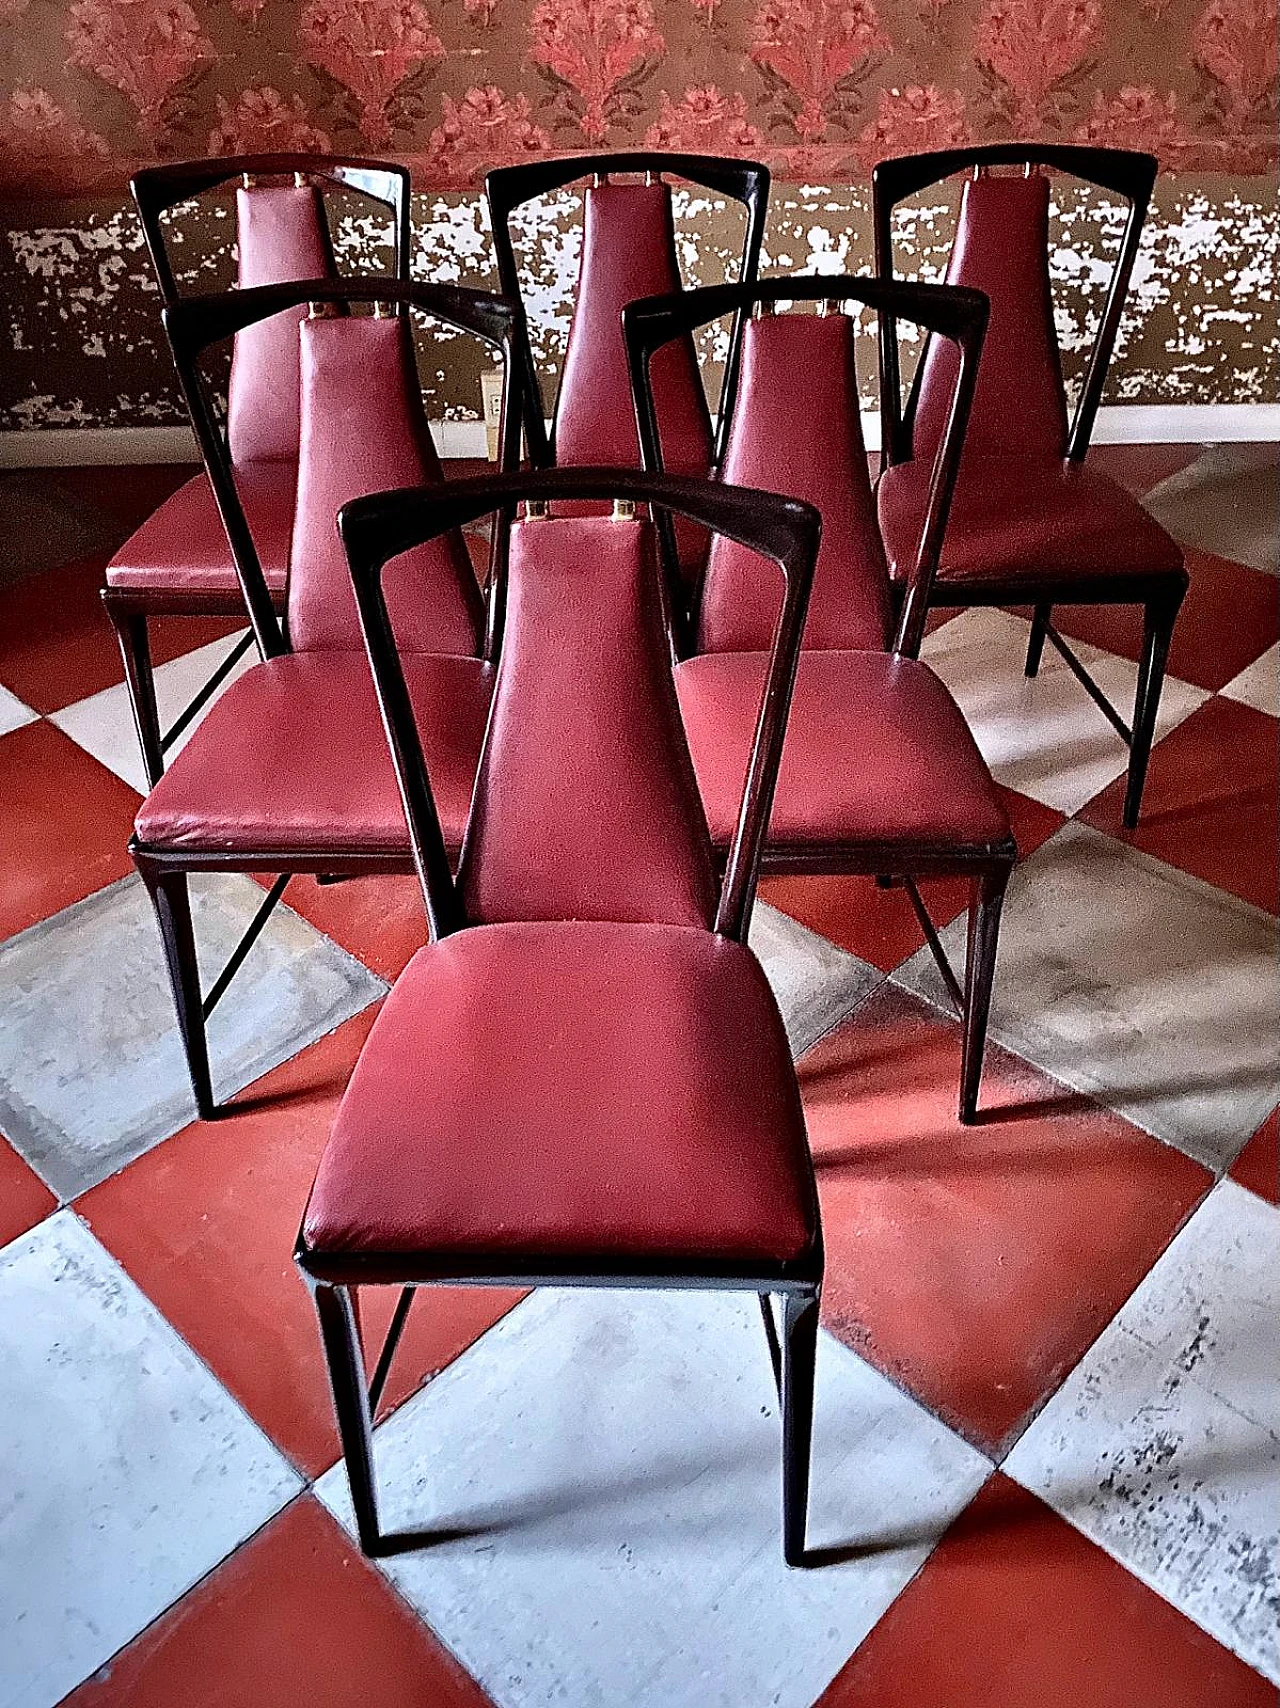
1071	1291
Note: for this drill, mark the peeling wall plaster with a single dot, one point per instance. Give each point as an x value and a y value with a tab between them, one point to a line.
87	349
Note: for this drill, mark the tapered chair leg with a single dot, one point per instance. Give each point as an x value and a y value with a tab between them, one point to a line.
1157	634
985	904
172	901
135	649
799	1359
340	1333
1035	645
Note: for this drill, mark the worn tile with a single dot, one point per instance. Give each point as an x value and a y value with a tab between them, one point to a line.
1139	985
1015	1609
1042	736
1259	685
815	982
92	1071
103	724
296	1615
612	1460
1163	1446
135	1472
13	713
975	1264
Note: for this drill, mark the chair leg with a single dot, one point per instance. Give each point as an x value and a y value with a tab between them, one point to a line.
139	673
1157	633
799	1359
172	901
1035	645
340	1333
985	903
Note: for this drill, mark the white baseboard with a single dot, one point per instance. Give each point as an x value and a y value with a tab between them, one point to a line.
1118	424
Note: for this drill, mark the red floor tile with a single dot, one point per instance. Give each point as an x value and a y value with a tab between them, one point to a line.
56	645
24	1197
1140	467
1015	1609
1210	805
976	1264
295	1616
1258	1165
130	494
64	826
378	920
880	925
1230	616
206	1223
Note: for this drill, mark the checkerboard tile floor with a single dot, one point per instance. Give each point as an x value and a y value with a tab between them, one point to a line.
1047	1464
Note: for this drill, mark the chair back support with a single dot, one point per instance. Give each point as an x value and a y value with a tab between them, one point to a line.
611	773
628	251
362	424
1001	248
795	427
282	233
586	805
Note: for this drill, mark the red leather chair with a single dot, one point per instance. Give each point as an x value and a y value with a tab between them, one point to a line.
880	774
1031	522
177	563
583	1079
289	772
628	252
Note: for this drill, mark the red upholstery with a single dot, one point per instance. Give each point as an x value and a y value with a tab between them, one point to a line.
1022	516
1002	248
552	1093
876	751
586	806
797	429
293	756
282	234
182	546
364	430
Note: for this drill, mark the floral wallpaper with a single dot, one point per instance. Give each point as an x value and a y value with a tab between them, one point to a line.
90	89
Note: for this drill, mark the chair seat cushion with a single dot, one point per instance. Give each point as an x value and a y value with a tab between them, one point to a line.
876	752
533	1097
182	547
1025	517
293	757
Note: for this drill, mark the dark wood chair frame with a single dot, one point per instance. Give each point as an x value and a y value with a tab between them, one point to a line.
961	316
510	187
194	324
1131	176
156	190
375	530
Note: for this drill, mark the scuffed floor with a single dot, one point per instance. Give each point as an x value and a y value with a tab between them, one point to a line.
1047	1467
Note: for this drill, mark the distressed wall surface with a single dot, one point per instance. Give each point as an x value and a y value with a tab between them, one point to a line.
88	349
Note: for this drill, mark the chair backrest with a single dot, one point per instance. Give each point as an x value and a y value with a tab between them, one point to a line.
795	427
363	425
628	251
585	738
282	233
1001	248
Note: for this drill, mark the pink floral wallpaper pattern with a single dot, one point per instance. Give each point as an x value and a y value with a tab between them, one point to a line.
90	89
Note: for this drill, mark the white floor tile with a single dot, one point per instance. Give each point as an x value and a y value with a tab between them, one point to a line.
128	1471
816	983
616	1458
13	714
103	724
1259	685
1163	1445
1140	985
1043	737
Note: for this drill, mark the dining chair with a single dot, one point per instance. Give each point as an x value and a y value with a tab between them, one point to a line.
1032	523
288	772
880	774
177	564
583	1079
628	251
